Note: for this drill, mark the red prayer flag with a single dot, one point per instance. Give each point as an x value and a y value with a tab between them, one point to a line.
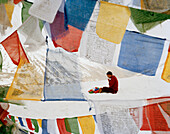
71	41
153	118
16	1
62	127
29	124
14	48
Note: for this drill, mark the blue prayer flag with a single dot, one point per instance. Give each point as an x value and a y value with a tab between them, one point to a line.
79	12
62	76
140	53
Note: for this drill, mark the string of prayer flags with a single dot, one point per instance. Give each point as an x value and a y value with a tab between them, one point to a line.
14	48
166	70
112	26
140	53
84	124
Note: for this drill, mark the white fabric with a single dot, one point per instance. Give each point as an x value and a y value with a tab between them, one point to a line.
118	117
45	9
30	31
52	126
95	48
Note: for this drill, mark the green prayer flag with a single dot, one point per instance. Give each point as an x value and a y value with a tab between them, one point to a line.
13	118
25	14
142	16
1	61
3	91
3	1
35	123
143	21
72	125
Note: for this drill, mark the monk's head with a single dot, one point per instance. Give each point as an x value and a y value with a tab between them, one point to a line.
109	74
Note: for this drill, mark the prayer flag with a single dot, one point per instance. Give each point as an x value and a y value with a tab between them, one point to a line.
140	53
87	124
28	82
14	48
71	125
4	19
166	70
62	127
45	10
62	76
25	14
112	22
9	10
79	12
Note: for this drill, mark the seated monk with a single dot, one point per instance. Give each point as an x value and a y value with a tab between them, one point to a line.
113	84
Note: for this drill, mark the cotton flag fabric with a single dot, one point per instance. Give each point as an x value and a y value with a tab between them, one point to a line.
142	16
63	35
116	117
166	70
79	12
62	76
87	124
1	61
96	49
45	10
71	41
156	116
32	33
4	1
16	1
14	48
111	27
59	27
25	15
156	5
62	127
28	82
4	20
140	53
9	10
141	25
72	125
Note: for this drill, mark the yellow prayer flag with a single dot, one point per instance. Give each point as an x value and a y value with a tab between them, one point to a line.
9	10
40	122
87	124
166	71
4	20
112	22
28	82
